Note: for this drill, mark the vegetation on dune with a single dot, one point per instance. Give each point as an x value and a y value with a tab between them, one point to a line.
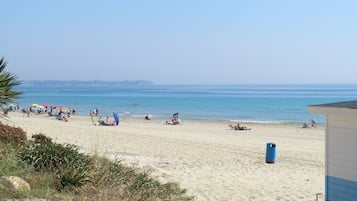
61	171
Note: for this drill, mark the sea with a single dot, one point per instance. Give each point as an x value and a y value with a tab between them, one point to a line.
234	103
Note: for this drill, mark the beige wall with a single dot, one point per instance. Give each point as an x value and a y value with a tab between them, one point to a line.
341	147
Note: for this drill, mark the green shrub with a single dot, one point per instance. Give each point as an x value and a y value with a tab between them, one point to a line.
12	135
71	168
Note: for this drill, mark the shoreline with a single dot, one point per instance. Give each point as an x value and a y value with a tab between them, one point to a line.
208	159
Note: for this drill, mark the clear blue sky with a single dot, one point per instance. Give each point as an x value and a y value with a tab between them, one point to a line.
182	41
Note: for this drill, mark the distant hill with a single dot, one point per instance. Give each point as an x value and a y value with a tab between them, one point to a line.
86	83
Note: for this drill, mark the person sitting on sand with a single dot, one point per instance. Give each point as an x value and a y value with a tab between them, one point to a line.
313	124
305	125
64	117
148	116
61	116
25	111
175	119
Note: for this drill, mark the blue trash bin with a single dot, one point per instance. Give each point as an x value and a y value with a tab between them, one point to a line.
270	154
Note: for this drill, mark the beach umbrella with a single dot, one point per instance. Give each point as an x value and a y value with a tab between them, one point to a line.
56	107
11	105
34	105
64	109
46	105
40	106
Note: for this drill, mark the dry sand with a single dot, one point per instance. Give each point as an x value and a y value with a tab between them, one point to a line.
213	162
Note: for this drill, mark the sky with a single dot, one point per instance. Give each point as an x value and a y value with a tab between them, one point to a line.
181	41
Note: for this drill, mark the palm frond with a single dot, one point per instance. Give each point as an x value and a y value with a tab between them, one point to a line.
7	82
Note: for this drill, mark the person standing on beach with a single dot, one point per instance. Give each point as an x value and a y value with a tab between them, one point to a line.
92	116
313	123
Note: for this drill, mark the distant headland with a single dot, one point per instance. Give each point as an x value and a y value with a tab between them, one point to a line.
86	83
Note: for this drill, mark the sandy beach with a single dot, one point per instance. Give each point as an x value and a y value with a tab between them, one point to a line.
213	162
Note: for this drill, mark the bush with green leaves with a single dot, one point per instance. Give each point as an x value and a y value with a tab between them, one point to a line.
12	135
71	169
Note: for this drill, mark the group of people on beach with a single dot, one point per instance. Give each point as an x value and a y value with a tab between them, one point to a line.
100	121
59	112
62	114
238	127
305	125
313	124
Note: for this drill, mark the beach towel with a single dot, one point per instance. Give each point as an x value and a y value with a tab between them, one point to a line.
116	118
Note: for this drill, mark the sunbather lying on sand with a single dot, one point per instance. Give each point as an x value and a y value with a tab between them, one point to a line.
237	127
106	122
174	122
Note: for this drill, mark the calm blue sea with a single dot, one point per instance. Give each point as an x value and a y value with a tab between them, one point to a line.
245	103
